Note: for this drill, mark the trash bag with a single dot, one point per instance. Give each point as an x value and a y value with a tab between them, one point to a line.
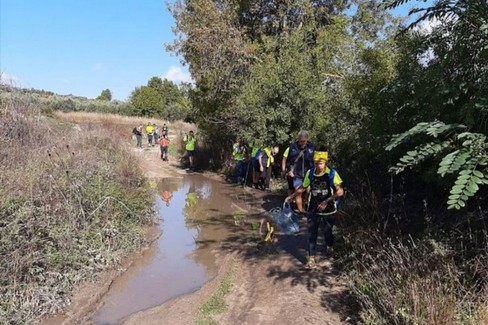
286	221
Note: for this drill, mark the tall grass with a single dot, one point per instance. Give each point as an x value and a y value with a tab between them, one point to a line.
176	127
418	283
72	202
421	269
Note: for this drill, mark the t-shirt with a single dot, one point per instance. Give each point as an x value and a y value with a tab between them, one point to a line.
164	142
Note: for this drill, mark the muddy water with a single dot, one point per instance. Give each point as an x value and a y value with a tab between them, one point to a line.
197	214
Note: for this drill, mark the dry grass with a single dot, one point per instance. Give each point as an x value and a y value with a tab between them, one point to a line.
72	203
415	284
438	277
130	121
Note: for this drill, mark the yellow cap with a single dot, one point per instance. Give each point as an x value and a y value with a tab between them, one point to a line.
320	156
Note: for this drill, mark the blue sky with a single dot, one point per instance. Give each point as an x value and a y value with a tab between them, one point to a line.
81	47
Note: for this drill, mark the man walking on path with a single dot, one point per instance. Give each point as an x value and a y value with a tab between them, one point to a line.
264	162
190	140
150	132
164	129
164	144
325	190
155	134
299	160
137	131
239	155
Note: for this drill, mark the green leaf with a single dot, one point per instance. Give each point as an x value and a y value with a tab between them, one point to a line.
477	173
451	202
457	189
461	181
412	153
477	180
472	187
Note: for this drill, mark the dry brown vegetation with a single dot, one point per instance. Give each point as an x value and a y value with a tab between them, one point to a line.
72	202
130	121
399	279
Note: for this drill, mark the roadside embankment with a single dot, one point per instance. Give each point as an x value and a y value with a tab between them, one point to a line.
73	203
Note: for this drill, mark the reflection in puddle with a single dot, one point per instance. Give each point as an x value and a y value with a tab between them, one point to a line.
175	264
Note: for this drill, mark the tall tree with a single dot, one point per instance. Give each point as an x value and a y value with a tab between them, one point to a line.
105	95
451	97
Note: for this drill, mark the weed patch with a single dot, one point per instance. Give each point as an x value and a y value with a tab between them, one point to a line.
216	303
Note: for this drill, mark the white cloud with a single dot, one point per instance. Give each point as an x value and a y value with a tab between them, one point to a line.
8	79
177	75
425	27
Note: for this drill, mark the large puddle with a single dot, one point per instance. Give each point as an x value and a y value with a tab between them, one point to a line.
196	215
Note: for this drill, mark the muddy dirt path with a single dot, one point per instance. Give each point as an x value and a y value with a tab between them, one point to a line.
268	286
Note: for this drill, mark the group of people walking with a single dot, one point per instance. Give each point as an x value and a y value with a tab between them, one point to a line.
314	187
154	137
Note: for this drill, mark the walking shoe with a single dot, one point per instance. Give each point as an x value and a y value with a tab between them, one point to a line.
310	265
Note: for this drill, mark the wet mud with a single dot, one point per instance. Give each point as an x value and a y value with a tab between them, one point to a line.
196	214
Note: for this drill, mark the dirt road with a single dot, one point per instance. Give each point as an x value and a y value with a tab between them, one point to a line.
268	286
266	283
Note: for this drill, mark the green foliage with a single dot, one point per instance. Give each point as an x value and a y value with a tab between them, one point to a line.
105	95
146	101
468	157
49	102
216	303
161	98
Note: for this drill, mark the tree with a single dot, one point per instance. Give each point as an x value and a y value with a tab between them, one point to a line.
145	100
161	98
451	98
105	95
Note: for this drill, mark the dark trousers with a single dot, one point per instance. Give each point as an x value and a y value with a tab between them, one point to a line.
314	221
266	177
164	153
240	169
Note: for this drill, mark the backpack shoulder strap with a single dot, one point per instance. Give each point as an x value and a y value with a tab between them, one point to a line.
331	177
311	171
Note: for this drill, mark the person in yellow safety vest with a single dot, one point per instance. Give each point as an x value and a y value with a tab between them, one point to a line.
265	162
254	162
239	155
326	191
190	140
284	171
150	132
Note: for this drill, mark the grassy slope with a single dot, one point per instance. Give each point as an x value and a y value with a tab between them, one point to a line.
72	203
